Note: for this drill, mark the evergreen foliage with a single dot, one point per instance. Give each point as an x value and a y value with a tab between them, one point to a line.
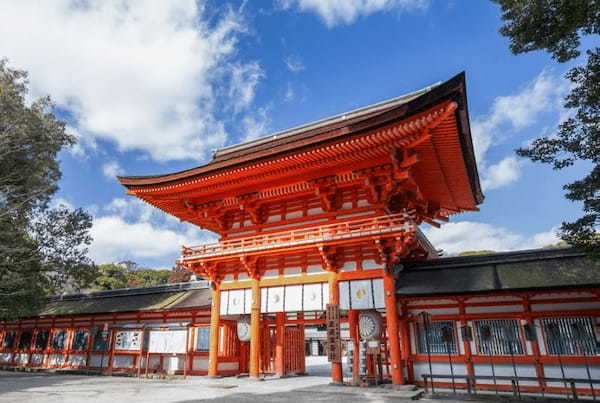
557	26
43	250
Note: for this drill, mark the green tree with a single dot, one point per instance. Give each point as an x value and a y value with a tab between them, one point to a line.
110	276
147	277
476	252
43	250
557	26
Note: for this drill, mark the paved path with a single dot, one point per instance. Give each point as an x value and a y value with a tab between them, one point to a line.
51	388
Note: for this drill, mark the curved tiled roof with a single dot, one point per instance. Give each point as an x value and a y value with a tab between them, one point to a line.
157	298
549	268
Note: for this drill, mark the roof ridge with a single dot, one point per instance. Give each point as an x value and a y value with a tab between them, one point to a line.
123	292
496	258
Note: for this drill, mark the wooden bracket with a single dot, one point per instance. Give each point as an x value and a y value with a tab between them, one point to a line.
250	263
211	216
208	270
249	203
330	258
378	182
326	189
392	250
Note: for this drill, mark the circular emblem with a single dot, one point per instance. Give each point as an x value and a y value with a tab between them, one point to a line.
369	325
276	298
243	329
361	293
235	301
313	296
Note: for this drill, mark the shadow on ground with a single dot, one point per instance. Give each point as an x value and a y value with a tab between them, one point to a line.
14	381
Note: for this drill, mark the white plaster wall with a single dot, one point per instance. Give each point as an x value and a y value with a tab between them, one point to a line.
571	371
565	307
228	366
200	364
360	213
439	368
494	308
37	359
314	269
78	360
493	299
292	271
123	361
173	364
370	264
96	360
271	274
21	358
56	359
348	266
562	295
228	278
293	214
431	302
274	218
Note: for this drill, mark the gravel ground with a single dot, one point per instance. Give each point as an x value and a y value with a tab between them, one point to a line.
48	387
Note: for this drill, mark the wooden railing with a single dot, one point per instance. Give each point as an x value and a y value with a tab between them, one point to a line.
348	229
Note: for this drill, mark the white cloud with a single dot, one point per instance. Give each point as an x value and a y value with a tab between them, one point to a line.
61	202
143	75
508	115
505	172
290	94
244	79
294	64
256	125
134	230
335	12
111	169
116	239
465	236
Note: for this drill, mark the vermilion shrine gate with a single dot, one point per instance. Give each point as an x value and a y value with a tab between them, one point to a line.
319	226
323	214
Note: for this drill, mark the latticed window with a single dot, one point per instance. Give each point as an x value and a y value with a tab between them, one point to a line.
437	337
25	340
80	340
9	340
41	339
498	337
202	338
100	342
59	340
570	336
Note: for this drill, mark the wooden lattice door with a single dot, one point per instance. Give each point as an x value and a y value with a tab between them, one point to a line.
294	357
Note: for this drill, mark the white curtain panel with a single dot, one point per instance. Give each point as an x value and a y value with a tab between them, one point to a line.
167	341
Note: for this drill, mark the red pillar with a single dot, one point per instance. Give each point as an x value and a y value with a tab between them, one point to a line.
334	298
466	344
302	335
391	320
535	347
355	337
279	353
215	314
255	331
403	326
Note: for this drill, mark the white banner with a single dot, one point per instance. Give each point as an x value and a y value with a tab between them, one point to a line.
167	341
128	340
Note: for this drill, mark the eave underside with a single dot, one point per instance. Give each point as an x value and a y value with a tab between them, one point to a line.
416	163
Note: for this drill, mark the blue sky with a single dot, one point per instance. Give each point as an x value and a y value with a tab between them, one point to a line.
155	87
